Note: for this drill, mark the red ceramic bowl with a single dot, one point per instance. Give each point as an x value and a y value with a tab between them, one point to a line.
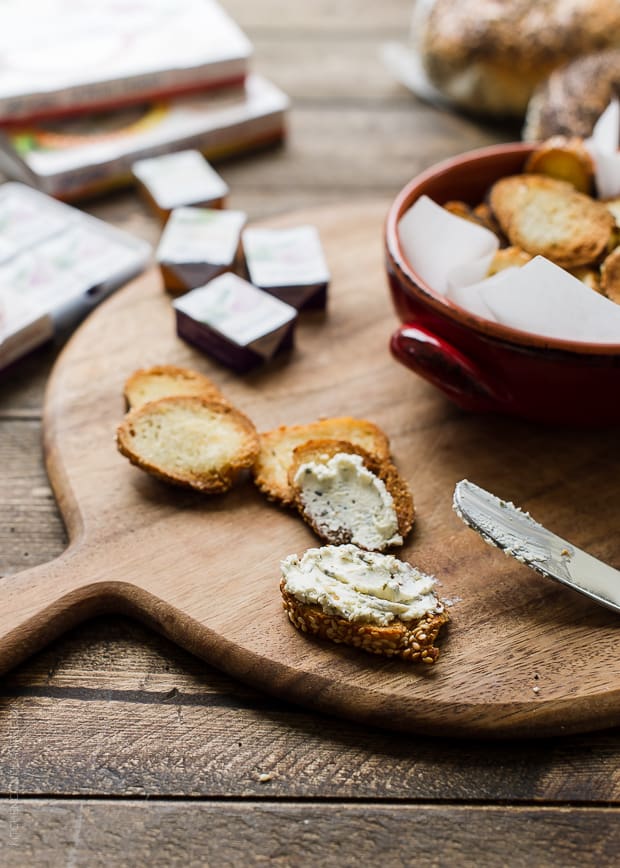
481	365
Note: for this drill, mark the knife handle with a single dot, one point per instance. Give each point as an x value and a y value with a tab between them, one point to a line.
447	368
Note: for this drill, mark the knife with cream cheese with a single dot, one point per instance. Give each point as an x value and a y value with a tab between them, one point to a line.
502	524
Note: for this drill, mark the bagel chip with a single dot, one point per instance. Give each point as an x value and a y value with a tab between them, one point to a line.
164	381
348	496
190	441
276	450
371	601
549	218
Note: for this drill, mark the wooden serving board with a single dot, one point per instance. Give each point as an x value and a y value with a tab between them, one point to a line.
522	656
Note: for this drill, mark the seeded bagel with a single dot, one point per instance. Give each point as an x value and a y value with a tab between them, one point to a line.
190	441
574	96
487	56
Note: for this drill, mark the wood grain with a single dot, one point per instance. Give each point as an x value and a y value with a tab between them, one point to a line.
351	17
117	709
34	532
164	555
73	737
196	834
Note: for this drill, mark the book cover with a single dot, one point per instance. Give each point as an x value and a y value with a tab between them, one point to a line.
73	159
67	56
56	263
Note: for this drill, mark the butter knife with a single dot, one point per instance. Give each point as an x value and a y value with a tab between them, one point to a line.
502	524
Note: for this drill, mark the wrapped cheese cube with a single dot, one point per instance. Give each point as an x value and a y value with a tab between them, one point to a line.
288	263
181	178
197	245
235	322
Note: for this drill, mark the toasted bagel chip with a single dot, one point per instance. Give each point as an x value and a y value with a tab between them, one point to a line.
459	209
590	276
565	159
276	450
613	205
413	642
547	217
481	215
164	381
486	218
190	441
338	522
610	276
508	257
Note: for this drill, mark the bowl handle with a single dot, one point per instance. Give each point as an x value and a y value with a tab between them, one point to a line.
446	368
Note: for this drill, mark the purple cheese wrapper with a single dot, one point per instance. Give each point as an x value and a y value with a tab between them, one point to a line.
235	322
300	297
180	178
197	244
289	264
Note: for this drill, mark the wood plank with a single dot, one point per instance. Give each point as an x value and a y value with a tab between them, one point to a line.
31	530
350	149
347	16
115	708
93	833
334	70
23	384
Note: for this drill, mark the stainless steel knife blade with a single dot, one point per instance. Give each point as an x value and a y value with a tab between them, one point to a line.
516	533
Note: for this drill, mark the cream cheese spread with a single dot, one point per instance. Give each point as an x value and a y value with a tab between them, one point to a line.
342	495
360	586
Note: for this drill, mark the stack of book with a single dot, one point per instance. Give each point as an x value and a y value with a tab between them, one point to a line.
88	88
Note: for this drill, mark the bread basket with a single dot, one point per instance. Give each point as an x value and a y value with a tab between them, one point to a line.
485	366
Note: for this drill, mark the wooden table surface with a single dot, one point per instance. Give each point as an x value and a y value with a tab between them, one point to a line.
118	748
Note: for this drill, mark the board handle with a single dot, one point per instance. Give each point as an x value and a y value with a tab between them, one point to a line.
38	604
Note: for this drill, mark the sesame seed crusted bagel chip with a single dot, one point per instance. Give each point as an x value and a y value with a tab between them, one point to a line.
370	601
